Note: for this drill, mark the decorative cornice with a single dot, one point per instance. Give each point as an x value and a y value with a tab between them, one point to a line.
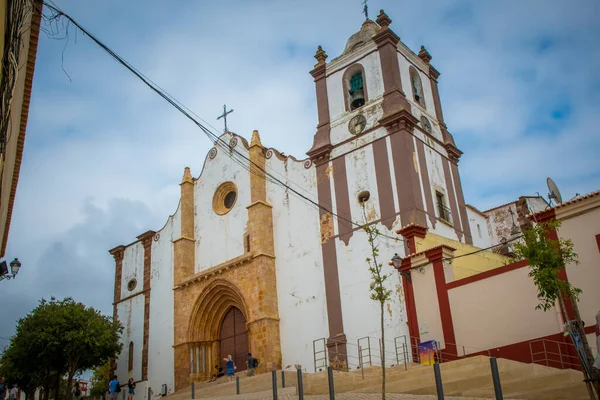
402	119
453	152
183	238
257	202
318	72
117	252
433	73
431	254
146	238
219	269
412	230
424	55
320	154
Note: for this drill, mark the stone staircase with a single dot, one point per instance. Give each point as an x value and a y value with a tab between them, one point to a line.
467	378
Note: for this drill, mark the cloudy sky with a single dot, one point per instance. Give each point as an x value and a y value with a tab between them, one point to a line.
104	155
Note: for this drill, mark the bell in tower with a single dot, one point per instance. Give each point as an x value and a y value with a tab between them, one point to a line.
357	92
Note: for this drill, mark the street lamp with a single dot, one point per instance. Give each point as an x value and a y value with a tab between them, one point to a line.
15	265
396	262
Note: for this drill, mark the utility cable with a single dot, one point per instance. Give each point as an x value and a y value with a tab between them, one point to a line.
215	138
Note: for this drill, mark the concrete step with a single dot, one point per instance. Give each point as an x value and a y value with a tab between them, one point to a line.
288	391
425	379
555	389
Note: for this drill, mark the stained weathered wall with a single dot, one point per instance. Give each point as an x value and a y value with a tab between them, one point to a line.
220	237
131	315
300	279
160	347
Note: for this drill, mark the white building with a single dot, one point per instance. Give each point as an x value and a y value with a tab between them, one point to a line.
247	264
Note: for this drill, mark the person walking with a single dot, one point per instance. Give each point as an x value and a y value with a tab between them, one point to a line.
76	391
130	389
3	388
230	368
14	392
251	363
114	387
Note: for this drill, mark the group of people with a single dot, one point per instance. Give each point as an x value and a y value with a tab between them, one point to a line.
230	367
114	388
13	394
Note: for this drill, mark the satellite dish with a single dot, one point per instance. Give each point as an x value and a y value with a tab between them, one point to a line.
554	193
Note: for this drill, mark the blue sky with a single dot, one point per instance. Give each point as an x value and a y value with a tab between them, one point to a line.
104	155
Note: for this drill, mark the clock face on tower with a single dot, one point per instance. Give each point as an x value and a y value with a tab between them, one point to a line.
357	124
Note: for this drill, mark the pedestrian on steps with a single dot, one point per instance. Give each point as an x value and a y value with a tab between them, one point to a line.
130	389
252	363
230	368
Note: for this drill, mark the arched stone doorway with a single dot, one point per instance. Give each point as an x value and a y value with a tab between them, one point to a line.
234	338
218	327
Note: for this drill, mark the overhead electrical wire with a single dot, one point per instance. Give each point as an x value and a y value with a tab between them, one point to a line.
216	139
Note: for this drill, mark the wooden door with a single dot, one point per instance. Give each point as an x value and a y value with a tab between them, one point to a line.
234	339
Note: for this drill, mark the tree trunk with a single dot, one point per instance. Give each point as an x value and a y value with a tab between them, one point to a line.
46	394
586	348
69	393
57	387
382	353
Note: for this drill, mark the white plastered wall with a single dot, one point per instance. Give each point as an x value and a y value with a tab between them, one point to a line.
133	268
499	311
361	314
160	346
298	259
427	305
220	237
131	315
479	230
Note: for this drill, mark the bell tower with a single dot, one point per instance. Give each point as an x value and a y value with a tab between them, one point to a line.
380	90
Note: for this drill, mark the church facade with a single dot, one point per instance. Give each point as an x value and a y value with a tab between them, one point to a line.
266	254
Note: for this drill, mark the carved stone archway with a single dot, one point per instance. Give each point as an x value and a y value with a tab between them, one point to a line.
216	299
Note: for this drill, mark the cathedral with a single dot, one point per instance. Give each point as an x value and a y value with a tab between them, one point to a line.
266	253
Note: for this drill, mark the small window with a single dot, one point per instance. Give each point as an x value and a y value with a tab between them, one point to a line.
443	210
224	198
229	199
479	230
417	87
131	285
426	124
130	367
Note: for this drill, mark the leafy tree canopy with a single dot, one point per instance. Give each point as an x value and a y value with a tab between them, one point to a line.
547	257
60	336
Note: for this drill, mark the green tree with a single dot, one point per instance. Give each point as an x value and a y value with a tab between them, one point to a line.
99	380
547	259
377	288
58	338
